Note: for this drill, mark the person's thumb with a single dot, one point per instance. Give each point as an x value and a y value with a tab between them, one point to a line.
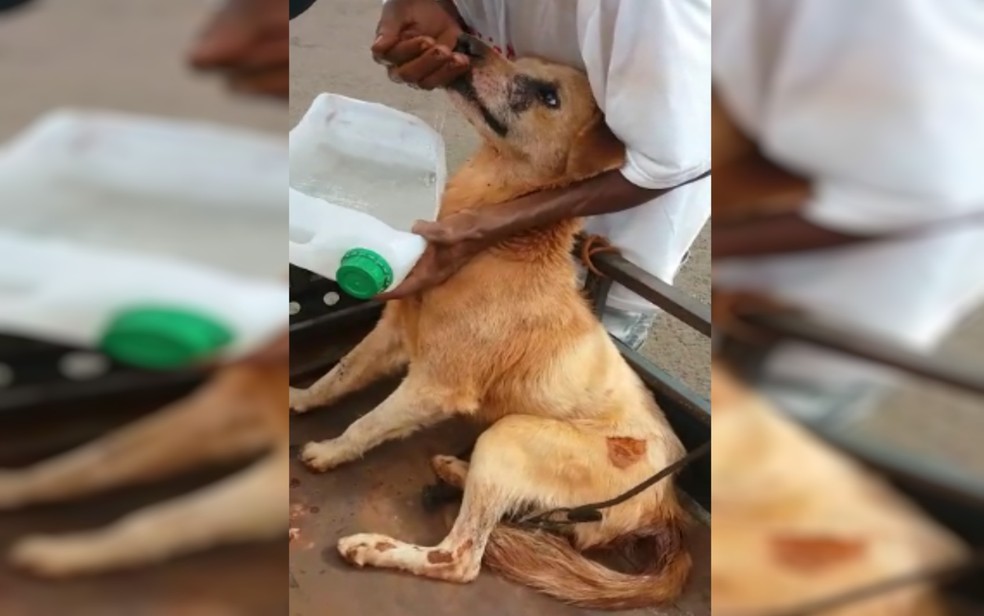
387	34
433	232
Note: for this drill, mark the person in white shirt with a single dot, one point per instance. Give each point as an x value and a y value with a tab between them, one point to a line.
649	66
879	104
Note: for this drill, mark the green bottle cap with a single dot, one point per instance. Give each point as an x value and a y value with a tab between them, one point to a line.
363	274
163	337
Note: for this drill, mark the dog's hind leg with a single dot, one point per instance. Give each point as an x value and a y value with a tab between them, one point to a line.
521	462
247	506
380	354
418	402
513	466
456	559
220	419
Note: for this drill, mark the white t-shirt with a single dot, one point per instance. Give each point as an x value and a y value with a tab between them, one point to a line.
881	103
649	64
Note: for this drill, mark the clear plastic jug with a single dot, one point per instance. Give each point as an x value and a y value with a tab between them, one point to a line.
368	157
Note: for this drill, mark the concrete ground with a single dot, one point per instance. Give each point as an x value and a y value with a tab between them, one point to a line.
330	53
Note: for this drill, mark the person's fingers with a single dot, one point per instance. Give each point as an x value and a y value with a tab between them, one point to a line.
449	37
415	71
388	31
456	67
414	283
408	49
383	45
433	232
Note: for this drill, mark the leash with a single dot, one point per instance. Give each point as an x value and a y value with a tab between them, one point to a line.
547	520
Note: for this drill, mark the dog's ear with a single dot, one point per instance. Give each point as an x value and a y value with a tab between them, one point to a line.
595	150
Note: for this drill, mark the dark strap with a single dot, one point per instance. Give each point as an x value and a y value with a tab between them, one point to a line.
592	512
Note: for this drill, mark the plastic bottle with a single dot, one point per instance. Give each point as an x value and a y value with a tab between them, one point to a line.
158	241
364	255
144	310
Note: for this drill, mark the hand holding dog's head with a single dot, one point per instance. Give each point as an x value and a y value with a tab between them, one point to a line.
541	111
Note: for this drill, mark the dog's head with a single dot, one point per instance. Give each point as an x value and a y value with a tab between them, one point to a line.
537	110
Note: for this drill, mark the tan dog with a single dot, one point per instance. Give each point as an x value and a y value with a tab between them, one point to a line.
510	342
795	522
237	414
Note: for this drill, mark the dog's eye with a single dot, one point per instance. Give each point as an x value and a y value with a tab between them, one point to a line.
548	96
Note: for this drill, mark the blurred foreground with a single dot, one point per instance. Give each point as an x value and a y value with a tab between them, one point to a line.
122	56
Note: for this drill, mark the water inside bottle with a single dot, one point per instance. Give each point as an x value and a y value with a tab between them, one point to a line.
396	194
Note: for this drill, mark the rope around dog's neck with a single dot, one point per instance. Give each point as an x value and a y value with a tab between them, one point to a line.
593	512
594	245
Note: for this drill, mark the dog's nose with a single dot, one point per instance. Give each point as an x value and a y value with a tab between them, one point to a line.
469	46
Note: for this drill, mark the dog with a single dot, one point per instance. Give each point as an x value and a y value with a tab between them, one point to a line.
510	342
796	522
236	414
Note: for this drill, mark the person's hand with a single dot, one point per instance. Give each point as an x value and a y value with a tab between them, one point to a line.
451	244
415	40
247	42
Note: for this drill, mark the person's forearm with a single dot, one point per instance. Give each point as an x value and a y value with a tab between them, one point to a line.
779	234
605	194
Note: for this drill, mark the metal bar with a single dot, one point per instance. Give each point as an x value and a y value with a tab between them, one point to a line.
804	329
666	384
667	297
15	403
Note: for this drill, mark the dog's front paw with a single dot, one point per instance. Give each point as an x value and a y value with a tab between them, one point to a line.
55	557
323	456
356	549
299	400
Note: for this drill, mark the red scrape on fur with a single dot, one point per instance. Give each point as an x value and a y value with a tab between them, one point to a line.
623	452
812	553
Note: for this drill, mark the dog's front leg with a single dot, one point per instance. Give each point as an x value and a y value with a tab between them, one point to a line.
380	354
418	402
219	417
458	558
249	505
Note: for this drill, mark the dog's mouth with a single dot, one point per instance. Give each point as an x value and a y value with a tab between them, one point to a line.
463	86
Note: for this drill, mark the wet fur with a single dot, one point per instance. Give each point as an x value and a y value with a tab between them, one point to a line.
510	342
237	414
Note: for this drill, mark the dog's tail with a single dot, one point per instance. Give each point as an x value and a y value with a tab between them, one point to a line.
551	564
